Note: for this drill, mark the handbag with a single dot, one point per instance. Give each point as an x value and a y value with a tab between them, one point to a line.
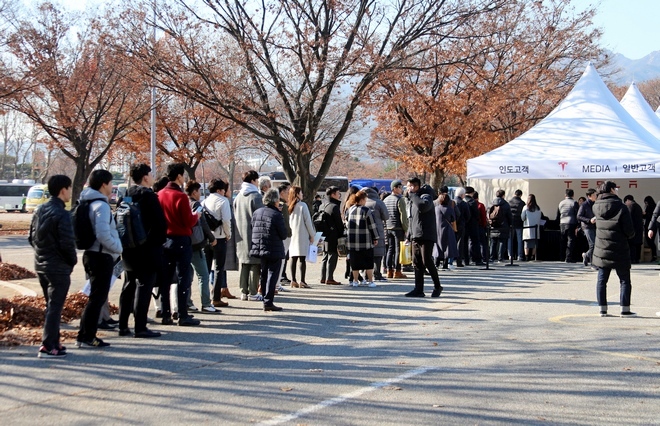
312	253
405	253
453	225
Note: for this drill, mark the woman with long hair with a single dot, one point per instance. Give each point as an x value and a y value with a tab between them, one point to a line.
531	217
362	236
302	235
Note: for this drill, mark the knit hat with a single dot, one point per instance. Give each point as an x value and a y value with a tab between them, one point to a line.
396	183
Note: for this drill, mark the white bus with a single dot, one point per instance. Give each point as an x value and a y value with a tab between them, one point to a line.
13	196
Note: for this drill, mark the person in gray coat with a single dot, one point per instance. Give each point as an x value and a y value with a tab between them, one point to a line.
380	214
246	202
614	228
568	222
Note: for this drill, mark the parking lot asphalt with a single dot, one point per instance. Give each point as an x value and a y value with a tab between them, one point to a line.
510	345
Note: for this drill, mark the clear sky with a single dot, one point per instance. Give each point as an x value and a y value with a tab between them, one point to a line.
629	26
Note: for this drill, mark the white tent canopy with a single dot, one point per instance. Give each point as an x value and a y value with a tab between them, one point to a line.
633	102
588	135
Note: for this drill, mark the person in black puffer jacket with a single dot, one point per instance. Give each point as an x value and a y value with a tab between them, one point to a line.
422	232
51	236
268	234
613	229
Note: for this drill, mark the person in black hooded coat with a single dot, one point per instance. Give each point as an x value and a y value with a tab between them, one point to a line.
614	228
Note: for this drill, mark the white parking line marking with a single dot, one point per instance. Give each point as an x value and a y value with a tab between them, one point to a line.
351	395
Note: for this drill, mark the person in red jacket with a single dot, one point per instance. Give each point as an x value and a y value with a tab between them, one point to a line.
178	247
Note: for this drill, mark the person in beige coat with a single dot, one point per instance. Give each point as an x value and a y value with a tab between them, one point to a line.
302	235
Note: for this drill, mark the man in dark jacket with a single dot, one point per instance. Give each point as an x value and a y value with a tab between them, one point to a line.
268	234
51	236
422	233
143	262
585	216
499	233
472	228
614	228
463	216
335	230
637	216
516	203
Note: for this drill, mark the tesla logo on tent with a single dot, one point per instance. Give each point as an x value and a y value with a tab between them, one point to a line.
562	164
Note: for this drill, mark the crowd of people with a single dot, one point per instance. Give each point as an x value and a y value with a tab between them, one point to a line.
264	228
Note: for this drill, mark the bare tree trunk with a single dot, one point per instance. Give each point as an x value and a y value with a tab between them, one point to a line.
437	179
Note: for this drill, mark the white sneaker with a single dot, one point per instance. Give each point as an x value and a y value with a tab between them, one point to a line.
362	283
192	308
372	284
244	296
353	283
210	309
452	267
255	298
280	289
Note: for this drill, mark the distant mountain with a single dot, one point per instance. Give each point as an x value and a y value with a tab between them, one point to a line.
638	70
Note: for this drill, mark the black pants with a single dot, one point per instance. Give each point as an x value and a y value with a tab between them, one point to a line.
329	262
135	297
474	246
178	255
567	242
635	251
55	288
99	268
422	253
270	276
461	244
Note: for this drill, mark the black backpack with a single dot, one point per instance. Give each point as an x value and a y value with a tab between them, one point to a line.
82	224
321	220
129	224
496	216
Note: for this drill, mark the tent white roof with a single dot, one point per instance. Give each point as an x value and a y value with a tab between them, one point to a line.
633	102
588	135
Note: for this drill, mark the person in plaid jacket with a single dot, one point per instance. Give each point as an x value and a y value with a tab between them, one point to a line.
362	237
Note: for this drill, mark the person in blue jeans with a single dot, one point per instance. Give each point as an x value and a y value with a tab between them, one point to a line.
585	216
201	237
